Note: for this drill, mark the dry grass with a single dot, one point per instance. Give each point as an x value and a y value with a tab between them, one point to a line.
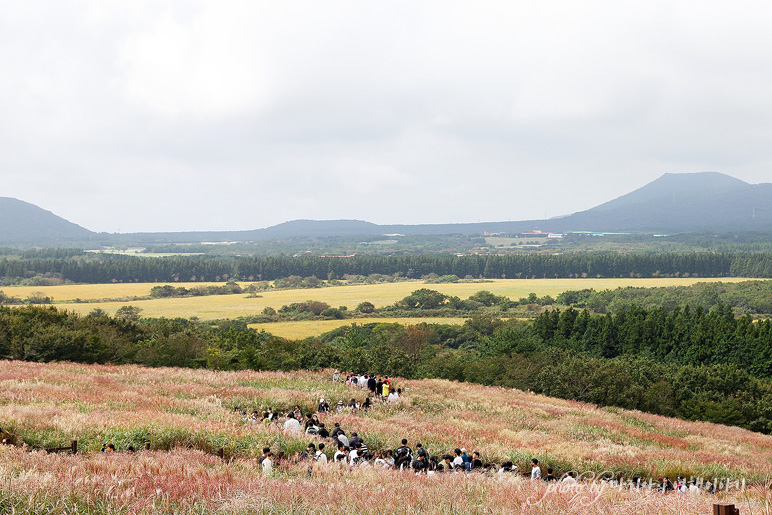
232	306
188	412
187	482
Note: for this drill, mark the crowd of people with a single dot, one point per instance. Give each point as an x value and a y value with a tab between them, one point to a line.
376	389
379	388
351	451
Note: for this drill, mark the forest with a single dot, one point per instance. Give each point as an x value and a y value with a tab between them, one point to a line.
82	267
753	297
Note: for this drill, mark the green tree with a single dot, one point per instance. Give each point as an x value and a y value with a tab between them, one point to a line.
130	313
366	307
423	299
486	298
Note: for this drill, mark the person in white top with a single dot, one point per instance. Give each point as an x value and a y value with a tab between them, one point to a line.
508	468
569	477
267	464
291	425
353	457
320	457
535	469
458	461
380	461
340	454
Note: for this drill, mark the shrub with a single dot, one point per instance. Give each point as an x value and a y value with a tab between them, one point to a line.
366	307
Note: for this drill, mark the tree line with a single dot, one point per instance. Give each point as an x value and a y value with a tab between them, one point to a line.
682	336
754	297
106	268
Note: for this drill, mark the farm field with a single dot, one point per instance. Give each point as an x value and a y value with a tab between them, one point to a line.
70	292
232	306
306	328
186	415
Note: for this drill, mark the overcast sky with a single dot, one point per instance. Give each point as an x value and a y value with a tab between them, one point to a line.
224	115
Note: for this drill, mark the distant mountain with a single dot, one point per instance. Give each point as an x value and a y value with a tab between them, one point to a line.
676	202
683	202
292	229
22	222
316	228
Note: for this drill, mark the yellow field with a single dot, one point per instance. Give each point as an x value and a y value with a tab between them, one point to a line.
93	291
306	328
232	306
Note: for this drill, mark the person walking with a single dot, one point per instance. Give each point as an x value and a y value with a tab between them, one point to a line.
535	469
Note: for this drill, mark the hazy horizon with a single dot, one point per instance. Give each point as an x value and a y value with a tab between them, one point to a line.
237	115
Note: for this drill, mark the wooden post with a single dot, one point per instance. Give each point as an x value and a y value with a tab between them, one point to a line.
147	446
725	509
75	447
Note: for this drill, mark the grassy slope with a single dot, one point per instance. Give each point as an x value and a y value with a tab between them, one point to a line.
189	412
52	403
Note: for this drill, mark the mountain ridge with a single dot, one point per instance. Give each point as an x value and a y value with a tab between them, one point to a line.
702	201
24	222
674	202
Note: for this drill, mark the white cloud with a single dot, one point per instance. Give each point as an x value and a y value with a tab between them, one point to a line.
239	114
206	64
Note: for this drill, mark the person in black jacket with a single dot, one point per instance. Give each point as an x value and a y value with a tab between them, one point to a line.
420	465
403	456
420	451
477	463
